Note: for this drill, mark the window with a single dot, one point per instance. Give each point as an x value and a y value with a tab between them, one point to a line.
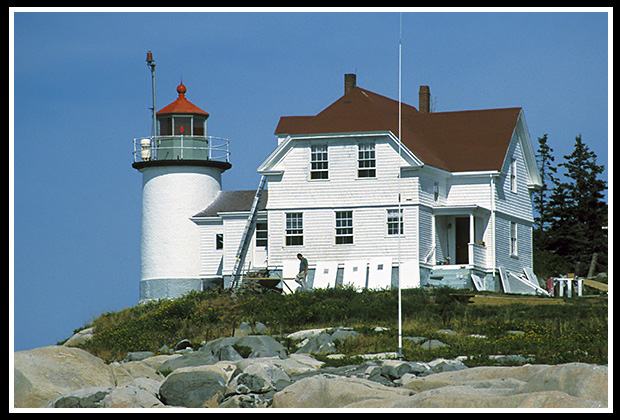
219	241
294	229
366	161
344	227
182	125
513	239
165	126
318	162
198	128
436	191
513	175
395	221
261	233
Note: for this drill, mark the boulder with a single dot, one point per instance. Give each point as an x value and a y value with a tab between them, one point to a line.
262	346
542	386
140	393
242	330
268	370
128	372
45	373
474	397
394	369
303	334
576	379
136	356
331	391
260	328
446	365
475	374
190	359
80	337
342	334
319	344
259	345
432	344
91	397
197	386
246	401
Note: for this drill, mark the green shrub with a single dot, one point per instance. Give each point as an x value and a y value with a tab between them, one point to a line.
575	331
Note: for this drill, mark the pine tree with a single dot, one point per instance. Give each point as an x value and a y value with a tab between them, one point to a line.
577	208
548	172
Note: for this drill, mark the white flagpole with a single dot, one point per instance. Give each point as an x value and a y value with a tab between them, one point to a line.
400	215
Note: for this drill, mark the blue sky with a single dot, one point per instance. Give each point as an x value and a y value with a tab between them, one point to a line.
81	90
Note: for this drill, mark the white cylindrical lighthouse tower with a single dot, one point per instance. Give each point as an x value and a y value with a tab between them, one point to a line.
181	175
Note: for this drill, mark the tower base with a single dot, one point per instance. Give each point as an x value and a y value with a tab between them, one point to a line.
173	288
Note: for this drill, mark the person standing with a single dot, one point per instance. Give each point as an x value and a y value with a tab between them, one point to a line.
303	271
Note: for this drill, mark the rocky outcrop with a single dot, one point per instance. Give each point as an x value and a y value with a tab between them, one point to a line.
45	373
256	371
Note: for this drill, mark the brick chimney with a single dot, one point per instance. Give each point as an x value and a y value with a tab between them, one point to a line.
349	82
425	100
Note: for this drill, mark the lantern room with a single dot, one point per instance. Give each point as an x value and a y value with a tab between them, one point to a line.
182	117
181	138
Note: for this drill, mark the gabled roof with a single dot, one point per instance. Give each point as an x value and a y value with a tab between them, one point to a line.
181	105
233	201
454	141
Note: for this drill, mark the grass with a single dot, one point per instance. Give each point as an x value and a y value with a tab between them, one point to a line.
573	330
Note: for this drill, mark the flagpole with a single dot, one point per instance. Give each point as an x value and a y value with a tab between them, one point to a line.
400	215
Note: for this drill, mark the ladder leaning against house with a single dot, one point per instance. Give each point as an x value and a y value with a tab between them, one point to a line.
246	238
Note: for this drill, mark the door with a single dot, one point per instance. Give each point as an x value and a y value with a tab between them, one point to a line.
462	240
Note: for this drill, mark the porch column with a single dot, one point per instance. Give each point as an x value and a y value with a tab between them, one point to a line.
470	246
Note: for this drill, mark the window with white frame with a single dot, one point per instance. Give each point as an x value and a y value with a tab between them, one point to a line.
319	162
344	227
395	221
513	175
513	239
261	233
366	164
294	229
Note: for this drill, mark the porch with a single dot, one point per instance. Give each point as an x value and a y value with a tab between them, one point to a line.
460	239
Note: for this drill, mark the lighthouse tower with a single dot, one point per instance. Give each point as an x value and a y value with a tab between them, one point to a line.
181	175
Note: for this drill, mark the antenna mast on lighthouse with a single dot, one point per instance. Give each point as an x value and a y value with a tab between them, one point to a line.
151	63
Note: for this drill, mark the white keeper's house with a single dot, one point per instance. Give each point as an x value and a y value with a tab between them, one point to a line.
449	205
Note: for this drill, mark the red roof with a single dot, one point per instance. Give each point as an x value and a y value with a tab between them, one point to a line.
454	141
181	105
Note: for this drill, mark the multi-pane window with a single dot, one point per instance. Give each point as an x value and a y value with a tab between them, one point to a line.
366	165
261	233
513	239
344	227
395	221
318	162
294	229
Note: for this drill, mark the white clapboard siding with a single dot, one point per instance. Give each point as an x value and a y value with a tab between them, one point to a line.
210	258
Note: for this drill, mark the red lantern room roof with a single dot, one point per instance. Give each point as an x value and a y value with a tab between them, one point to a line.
182	105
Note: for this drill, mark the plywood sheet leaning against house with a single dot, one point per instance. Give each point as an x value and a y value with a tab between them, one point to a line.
478	282
355	274
518	285
409	274
325	275
380	273
290	268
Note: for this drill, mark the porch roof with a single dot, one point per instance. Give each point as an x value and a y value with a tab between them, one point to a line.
466	209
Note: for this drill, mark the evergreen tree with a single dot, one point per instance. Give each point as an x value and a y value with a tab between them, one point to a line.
577	208
548	171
